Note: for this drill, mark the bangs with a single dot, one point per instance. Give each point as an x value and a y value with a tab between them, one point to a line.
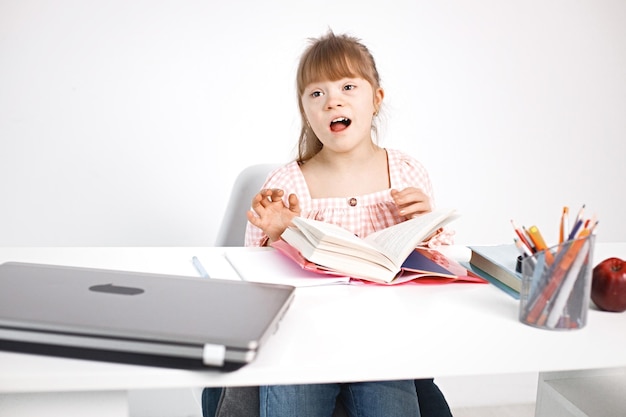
336	59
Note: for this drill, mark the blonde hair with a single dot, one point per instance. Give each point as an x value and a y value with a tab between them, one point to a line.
331	57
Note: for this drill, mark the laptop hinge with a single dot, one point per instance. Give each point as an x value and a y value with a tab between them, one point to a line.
213	354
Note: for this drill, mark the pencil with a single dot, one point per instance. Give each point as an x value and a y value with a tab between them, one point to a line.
523	238
539	242
575	229
577	223
564	224
523	249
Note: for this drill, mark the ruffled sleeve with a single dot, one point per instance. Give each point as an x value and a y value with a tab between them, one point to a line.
406	171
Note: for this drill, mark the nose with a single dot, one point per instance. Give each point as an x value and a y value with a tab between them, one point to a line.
333	99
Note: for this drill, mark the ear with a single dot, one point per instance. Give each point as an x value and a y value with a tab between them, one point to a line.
379	94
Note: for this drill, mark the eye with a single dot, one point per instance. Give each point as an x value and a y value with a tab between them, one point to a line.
316	94
349	87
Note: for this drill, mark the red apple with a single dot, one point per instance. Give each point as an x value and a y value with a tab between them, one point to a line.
608	285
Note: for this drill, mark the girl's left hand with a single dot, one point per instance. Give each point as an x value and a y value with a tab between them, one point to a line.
411	202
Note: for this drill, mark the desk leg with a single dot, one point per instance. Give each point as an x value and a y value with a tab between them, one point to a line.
585	393
66	404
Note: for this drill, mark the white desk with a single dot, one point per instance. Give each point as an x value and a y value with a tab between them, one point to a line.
333	333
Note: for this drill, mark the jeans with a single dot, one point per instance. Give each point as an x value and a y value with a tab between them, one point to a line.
360	399
432	402
210	400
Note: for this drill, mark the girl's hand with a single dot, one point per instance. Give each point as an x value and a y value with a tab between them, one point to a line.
270	214
411	202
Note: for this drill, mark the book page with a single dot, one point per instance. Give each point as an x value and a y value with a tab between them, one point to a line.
329	237
399	240
317	232
270	266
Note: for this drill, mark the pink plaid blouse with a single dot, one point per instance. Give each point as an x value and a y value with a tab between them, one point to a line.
361	214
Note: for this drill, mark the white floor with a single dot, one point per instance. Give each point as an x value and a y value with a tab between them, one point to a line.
165	403
489	390
514	410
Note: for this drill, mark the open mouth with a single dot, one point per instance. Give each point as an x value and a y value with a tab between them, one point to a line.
339	124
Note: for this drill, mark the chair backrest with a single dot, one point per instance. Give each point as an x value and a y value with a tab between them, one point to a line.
232	230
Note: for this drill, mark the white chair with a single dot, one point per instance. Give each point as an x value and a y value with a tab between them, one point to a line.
249	182
242	401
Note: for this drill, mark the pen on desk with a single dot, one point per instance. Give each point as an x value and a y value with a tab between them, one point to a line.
198	265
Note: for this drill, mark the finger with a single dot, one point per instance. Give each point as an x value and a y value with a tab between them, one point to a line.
416	209
256	200
294	204
410	196
266	197
271	194
260	201
253	218
276	194
260	196
399	197
257	209
406	199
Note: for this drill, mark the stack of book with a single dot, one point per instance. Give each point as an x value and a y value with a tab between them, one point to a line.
497	264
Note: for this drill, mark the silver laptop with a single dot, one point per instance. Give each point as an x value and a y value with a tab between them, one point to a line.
138	318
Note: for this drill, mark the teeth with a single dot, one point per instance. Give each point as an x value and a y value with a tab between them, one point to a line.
340	119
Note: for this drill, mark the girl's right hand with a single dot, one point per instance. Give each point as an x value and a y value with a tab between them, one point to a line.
270	213
411	202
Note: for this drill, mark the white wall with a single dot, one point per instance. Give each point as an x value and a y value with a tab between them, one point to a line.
126	122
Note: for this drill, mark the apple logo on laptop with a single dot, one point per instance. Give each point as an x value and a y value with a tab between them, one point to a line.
115	289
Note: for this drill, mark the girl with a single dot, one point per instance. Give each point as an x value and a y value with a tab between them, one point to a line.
341	176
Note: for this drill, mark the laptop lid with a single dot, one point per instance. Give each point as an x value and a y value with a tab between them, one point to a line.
132	317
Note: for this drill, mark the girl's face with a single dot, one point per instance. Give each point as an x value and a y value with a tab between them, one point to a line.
340	112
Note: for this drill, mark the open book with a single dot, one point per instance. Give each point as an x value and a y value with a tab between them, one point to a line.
422	266
378	257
